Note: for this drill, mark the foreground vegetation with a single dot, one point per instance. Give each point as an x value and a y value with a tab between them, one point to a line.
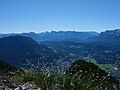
80	76
61	81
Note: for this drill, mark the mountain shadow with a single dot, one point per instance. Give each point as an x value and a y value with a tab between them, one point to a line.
20	51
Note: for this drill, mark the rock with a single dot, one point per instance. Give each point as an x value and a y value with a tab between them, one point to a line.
27	86
19	88
5	84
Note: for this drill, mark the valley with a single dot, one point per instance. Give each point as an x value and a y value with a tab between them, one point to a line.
54	54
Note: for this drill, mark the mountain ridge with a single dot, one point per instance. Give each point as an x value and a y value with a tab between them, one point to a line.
18	49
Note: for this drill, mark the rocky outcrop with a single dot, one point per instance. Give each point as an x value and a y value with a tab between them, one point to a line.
27	86
5	84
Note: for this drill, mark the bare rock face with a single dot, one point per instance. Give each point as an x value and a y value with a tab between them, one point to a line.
5	84
27	86
18	88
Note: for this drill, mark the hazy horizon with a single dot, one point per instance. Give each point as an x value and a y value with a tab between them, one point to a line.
44	32
17	16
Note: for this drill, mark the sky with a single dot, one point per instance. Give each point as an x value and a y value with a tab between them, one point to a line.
59	15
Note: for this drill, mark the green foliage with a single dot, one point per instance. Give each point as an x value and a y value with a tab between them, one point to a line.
50	81
93	76
60	81
106	67
80	76
8	70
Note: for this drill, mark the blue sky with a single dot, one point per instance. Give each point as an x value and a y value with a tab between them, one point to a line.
58	15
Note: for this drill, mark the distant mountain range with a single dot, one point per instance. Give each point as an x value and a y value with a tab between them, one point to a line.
107	36
110	36
67	36
31	34
57	36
